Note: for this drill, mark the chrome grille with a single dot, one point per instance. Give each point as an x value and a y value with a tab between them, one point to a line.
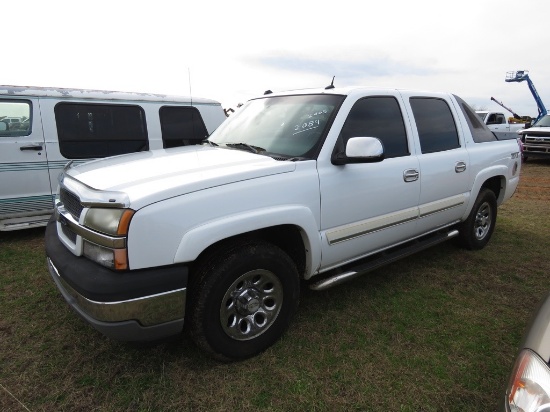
71	203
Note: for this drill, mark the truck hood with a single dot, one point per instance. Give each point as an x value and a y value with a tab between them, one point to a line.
537	131
147	177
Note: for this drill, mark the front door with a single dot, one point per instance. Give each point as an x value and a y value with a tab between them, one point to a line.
368	207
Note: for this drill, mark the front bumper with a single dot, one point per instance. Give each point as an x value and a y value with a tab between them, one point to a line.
139	305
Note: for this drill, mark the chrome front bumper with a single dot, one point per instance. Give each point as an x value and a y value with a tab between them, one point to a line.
141	319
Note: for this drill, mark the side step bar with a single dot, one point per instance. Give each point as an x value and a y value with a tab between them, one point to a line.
381	259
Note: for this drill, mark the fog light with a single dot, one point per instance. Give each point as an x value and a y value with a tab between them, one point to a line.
111	258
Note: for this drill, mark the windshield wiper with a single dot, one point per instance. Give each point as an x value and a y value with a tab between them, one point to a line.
210	142
246	146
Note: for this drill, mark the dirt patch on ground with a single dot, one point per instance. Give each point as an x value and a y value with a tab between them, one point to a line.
535	180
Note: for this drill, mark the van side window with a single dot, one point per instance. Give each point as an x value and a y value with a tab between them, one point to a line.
100	130
378	117
480	132
15	118
181	126
435	124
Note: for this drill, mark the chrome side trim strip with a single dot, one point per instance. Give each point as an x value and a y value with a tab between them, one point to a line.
441	205
148	310
364	227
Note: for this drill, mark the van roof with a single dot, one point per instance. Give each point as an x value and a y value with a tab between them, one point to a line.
60	92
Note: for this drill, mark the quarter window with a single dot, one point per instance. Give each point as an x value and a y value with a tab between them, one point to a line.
378	117
480	132
100	130
15	118
181	126
435	124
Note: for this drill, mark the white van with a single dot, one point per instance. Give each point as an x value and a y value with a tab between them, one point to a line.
42	129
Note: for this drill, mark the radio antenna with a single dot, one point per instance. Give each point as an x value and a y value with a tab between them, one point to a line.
189	77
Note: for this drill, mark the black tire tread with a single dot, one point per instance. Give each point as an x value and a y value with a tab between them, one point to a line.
208	274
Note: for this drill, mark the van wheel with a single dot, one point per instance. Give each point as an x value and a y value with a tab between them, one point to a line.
475	232
242	301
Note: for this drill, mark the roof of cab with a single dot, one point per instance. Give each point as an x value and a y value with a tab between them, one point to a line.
348	91
66	93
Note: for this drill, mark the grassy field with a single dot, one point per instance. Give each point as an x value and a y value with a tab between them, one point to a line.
434	332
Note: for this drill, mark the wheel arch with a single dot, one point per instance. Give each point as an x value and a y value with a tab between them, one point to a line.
493	179
292	229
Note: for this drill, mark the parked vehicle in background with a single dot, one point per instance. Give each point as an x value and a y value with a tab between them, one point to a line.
322	185
499	124
529	387
536	139
41	129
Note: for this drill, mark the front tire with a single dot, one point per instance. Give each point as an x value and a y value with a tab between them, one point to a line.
242	300
476	231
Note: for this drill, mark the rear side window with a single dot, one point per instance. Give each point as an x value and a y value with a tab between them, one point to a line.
181	126
435	123
378	117
480	132
100	130
15	118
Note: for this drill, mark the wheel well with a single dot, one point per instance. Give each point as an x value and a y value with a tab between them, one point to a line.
495	184
286	237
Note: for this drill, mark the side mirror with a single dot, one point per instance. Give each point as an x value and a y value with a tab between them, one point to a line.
360	150
3	126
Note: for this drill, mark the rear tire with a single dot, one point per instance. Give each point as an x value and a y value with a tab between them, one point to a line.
476	231
242	300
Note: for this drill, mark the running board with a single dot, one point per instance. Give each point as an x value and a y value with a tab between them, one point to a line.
382	259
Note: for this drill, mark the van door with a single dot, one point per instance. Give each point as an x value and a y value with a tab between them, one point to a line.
25	195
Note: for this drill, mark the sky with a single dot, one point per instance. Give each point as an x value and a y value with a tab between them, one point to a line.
231	51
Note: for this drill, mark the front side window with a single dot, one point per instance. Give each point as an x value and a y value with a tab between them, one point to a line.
379	117
100	130
15	118
435	123
286	126
181	126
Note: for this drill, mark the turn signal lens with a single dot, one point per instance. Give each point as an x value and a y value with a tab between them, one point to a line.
529	388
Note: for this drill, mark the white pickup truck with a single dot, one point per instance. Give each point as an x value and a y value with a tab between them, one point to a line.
317	185
498	123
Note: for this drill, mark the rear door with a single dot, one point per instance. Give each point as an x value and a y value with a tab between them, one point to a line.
444	161
24	178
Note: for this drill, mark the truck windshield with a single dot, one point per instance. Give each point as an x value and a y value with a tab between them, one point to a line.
288	126
543	122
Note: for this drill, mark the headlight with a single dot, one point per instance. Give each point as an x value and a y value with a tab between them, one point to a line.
529	388
112	222
102	249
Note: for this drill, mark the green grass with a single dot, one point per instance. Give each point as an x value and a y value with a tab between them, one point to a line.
434	332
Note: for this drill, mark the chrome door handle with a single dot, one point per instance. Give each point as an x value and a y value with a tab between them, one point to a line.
460	167
410	175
